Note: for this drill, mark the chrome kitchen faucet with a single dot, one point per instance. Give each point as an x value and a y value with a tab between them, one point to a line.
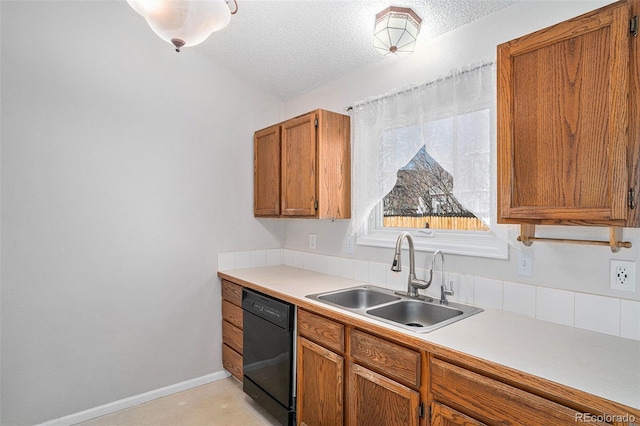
413	283
444	291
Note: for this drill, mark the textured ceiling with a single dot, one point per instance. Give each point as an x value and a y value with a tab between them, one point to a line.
289	47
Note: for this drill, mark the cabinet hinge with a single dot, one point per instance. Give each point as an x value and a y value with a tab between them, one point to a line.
633	26
631	198
421	412
315	123
315	204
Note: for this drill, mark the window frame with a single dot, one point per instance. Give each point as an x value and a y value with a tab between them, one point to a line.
465	243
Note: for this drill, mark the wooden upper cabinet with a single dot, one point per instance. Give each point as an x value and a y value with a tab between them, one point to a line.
266	172
567	122
302	167
299	165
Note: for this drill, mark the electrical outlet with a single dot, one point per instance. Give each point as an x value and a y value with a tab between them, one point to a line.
623	275
312	241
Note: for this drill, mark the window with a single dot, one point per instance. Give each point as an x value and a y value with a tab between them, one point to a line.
423	198
424	157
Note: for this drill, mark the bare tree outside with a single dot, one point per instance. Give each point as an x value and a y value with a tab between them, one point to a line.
423	196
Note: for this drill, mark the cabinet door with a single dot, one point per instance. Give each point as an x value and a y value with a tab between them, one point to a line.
334	165
441	415
320	391
562	122
266	172
299	166
377	400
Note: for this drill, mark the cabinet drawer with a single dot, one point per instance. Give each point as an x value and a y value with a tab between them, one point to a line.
232	336
395	361
494	402
232	292
326	332
232	362
232	313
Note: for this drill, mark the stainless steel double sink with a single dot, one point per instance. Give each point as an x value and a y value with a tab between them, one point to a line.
420	315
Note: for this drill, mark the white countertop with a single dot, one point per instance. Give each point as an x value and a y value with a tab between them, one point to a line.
603	365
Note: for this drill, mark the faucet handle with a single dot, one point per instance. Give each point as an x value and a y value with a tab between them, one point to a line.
444	292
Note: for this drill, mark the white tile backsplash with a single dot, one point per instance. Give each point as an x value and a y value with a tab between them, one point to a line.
274	257
321	263
309	261
377	273
462	288
287	257
519	298
555	305
361	270
630	319
346	268
396	281
226	261
298	259
598	313
609	315
258	258
437	280
333	266
242	259
487	292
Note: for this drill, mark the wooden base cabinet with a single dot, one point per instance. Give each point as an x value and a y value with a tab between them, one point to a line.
320	375
320	385
377	400
346	375
232	328
369	381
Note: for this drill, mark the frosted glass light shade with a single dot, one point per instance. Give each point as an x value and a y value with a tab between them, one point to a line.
183	22
396	30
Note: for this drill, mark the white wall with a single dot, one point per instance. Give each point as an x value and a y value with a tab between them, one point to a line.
560	266
126	168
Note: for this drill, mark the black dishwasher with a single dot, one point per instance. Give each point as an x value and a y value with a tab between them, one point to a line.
268	354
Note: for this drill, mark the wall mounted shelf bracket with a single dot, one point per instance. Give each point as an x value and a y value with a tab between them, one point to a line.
528	236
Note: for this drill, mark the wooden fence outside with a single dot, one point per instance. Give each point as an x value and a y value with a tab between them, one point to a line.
435	222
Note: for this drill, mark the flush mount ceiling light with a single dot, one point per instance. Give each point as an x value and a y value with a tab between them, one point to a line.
185	22
396	30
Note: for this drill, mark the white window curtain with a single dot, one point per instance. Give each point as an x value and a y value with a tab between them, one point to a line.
451	117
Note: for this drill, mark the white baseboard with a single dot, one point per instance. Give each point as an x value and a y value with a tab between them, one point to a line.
134	400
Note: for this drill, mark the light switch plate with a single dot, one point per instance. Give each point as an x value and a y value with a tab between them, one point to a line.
525	263
350	243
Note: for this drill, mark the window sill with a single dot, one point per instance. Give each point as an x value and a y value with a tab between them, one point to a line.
466	243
